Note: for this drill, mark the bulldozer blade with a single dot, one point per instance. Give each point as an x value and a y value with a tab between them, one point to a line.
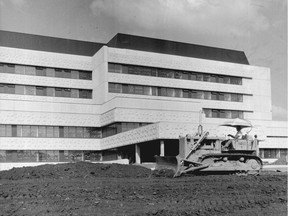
169	162
166	162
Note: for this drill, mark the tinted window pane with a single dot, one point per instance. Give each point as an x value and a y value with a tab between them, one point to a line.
19	89
58	92
9	68
30	90
40	71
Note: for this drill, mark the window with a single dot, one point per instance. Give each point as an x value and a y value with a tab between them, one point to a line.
66	132
66	92
270	153
227	97
56	131
153	72
228	114
234	97
30	70
111	67
50	72
14	130
162	73
200	95
227	80
178	93
130	89
215	113
19	89
19	130
208	113
186	75
2	88
85	75
170	74
67	73
1	68
193	76
199	77
72	132
19	69
193	94
41	131
139	90
213	78
74	93
33	131
147	90
75	74
124	69
240	98
40	71
163	92
85	93
50	91
41	91
49	131
114	88
9	89
59	73
214	96
221	96
154	91
221	79
236	80
2	130
118	68
58	92
30	90
9	68
206	77
235	114
79	132
26	131
186	93
170	92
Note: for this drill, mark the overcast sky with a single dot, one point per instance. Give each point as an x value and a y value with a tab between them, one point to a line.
257	27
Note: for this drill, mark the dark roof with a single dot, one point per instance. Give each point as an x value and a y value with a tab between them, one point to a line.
48	44
125	41
122	41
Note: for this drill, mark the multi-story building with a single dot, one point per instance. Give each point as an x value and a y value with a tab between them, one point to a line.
66	100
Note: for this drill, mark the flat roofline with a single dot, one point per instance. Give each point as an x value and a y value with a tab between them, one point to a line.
48	44
120	41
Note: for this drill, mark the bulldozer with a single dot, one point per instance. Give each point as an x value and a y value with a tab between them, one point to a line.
204	153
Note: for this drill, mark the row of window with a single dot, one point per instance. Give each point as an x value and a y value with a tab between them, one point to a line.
66	131
273	153
55	155
173	92
218	113
175	74
44	91
44	71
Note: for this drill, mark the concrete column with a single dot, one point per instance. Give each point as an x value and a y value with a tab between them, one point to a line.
82	156
137	154
277	153
162	148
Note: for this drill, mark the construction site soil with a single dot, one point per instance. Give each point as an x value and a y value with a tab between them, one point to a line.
110	189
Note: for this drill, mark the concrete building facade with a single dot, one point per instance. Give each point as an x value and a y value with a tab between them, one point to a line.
64	100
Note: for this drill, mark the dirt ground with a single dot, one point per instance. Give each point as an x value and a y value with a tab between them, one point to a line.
102	189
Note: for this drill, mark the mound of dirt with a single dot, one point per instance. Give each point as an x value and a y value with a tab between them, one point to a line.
76	170
167	173
281	161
